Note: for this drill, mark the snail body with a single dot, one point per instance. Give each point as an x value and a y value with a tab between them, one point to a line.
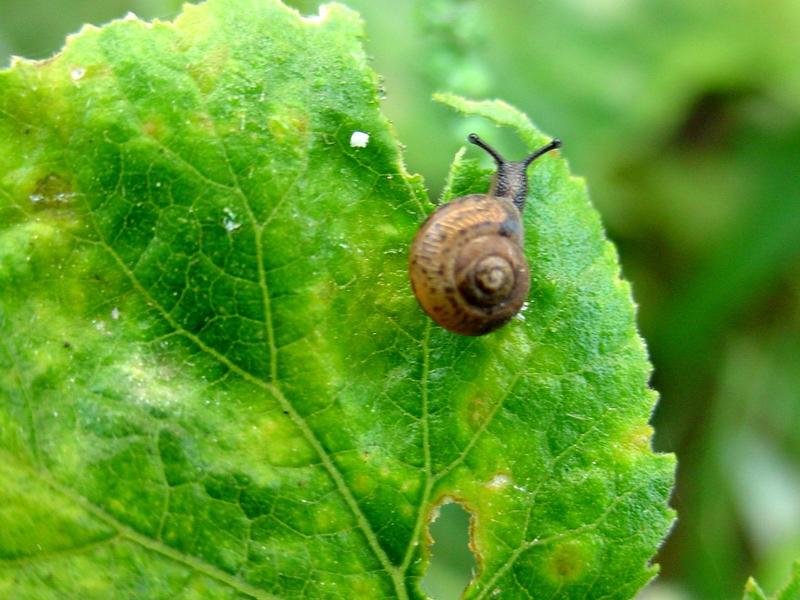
467	265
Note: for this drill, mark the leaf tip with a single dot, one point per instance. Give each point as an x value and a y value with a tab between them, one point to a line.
500	112
752	591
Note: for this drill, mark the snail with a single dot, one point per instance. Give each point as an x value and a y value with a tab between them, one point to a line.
467	264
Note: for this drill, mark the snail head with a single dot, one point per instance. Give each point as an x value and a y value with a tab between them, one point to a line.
511	179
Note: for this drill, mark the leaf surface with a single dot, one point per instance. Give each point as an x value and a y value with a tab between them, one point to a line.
215	379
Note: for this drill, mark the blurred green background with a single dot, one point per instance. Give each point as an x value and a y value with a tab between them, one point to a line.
684	116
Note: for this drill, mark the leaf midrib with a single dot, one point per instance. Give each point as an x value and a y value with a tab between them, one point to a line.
285	404
272	387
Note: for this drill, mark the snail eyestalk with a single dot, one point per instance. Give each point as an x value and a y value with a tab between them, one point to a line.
555	143
511	179
474	139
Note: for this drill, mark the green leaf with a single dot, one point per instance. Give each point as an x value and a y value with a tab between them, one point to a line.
215	381
791	591
752	591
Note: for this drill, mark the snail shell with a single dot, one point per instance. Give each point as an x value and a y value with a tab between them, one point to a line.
467	265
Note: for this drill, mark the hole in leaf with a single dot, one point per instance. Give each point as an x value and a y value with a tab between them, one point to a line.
452	564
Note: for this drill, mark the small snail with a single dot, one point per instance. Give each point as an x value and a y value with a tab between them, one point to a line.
467	265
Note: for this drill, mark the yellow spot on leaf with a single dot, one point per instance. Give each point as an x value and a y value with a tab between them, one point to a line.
363	484
569	560
288	126
478	410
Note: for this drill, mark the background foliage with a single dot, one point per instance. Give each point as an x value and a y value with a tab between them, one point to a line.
685	119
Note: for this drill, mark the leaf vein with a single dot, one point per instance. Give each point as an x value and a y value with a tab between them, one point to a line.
300	422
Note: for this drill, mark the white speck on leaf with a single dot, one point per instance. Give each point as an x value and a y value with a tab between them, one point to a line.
229	221
359	139
60	197
520	316
77	73
115	313
499	481
131	16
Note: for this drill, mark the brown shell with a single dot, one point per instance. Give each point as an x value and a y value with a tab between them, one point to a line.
467	266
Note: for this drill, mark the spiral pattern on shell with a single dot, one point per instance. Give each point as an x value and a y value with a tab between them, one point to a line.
467	266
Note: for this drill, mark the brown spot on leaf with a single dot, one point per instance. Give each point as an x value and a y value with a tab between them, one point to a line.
154	127
478	409
569	560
